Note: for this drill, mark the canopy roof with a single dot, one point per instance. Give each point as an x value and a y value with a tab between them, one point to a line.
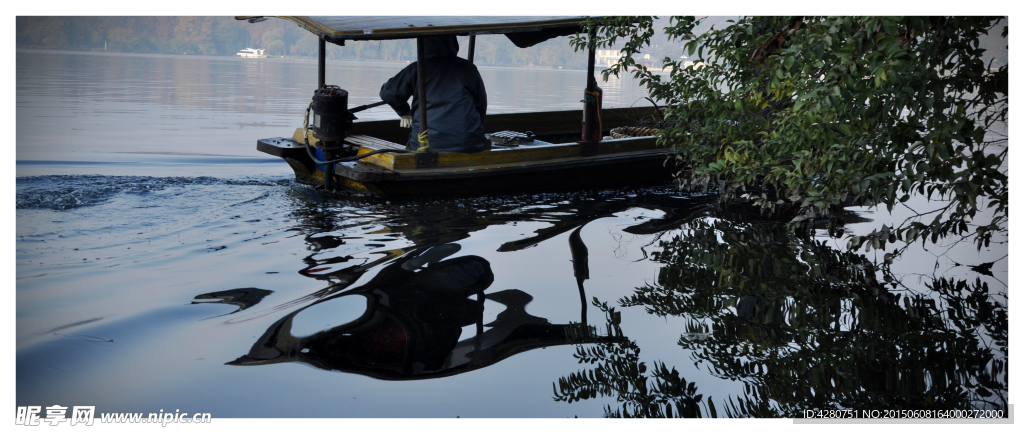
522	31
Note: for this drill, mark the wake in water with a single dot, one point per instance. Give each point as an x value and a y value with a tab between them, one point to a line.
62	192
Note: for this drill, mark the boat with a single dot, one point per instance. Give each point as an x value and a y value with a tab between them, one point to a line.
252	53
586	148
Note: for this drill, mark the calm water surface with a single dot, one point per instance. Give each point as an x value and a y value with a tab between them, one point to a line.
162	262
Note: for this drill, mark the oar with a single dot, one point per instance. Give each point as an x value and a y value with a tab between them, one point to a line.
364	107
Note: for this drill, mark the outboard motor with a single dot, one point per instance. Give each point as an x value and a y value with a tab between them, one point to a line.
331	119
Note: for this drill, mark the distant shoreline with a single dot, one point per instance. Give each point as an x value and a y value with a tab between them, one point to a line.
29	49
269	57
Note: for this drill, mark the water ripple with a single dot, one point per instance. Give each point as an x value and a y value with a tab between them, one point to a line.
64	192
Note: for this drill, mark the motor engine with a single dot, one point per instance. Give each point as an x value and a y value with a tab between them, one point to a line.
331	117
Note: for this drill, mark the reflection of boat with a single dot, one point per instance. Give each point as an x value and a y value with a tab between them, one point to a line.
408	322
541	150
415	317
252	53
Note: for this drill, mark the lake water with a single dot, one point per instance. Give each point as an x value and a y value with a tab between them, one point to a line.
162	262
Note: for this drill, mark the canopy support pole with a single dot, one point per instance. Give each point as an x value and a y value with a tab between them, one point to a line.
421	88
472	47
590	103
591	82
321	66
321	79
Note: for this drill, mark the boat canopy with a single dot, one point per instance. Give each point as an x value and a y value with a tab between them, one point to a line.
522	31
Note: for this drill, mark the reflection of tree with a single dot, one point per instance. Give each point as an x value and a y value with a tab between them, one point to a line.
805	326
620	373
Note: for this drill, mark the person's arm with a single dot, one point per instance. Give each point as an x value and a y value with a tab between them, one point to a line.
396	91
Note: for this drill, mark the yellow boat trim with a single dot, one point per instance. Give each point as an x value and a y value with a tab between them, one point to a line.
525	154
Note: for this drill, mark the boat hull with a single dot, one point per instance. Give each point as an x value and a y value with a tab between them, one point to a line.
596	173
541	167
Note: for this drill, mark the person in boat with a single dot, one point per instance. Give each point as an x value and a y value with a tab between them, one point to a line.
457	101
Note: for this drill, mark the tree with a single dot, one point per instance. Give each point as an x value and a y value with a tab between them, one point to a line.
198	31
122	39
808	114
229	36
45	31
273	41
306	46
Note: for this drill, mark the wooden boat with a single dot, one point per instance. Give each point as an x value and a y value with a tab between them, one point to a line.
542	150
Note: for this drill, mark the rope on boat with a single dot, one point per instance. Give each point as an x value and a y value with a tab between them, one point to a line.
626	132
424	142
305	124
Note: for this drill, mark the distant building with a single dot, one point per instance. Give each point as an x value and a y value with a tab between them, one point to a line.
606	57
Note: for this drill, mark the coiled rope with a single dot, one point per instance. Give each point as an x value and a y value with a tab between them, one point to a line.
424	142
626	132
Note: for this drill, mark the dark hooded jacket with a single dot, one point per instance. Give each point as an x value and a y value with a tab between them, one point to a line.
456	99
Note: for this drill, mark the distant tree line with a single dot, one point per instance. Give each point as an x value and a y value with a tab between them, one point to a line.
225	36
191	35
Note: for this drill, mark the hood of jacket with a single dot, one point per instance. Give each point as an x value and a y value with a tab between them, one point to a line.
440	46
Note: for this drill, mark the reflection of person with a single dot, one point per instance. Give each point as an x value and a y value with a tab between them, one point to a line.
416	310
456	99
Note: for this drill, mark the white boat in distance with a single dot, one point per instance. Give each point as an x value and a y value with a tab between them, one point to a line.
252	53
